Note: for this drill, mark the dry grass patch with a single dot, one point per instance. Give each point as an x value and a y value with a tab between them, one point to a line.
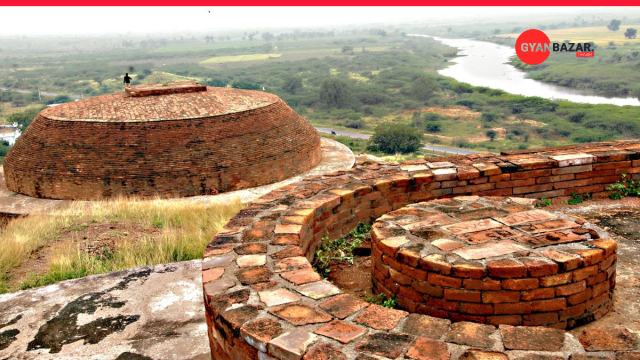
106	236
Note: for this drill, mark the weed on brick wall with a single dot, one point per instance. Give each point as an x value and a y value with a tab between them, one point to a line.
340	249
625	187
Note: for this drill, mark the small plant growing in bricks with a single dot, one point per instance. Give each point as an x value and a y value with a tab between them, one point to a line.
577	199
381	300
625	187
544	202
340	249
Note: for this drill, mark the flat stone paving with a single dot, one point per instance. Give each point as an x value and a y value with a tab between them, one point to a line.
335	156
153	312
495	260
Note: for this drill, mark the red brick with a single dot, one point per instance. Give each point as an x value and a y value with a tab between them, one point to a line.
469	270
566	261
485	284
549	305
516	308
476	309
554	280
462	295
537	294
428	349
580	297
520	284
506	268
539	267
571	289
581	274
447	281
500	297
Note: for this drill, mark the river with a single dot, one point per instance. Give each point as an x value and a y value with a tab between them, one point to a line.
483	63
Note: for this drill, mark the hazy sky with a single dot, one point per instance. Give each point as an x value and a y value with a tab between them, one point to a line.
96	20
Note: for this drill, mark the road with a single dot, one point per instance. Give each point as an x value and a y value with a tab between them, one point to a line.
43	93
366	136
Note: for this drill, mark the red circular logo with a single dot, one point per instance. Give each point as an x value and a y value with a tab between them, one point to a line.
533	47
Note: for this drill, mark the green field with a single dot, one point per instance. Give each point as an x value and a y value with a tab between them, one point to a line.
239	58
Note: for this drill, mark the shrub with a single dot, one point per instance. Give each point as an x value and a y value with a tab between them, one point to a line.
393	138
489	117
432	116
433	127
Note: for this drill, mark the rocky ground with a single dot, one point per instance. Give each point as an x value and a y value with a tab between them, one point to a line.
144	313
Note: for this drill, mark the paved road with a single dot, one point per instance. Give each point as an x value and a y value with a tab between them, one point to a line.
366	136
43	93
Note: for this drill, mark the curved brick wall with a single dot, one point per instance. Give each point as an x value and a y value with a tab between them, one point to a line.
495	261
223	140
263	299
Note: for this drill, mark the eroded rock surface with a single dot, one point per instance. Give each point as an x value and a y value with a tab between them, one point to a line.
139	314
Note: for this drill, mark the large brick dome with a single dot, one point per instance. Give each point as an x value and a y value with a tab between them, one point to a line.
181	139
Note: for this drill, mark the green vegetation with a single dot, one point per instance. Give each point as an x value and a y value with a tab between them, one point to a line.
340	249
393	138
182	231
625	187
381	300
543	202
239	58
577	199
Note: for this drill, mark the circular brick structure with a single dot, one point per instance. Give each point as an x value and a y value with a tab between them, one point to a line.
182	139
264	300
493	260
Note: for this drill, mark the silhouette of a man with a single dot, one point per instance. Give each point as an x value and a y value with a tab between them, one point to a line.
127	80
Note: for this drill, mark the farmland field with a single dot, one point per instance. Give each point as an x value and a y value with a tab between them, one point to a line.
239	58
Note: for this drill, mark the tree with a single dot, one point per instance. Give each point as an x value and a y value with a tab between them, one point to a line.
423	88
496	31
335	93
614	25
215	82
393	138
292	84
245	85
491	134
489	117
630	33
432	127
24	118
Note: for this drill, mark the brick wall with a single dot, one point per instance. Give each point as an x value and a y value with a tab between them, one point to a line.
267	249
90	160
548	270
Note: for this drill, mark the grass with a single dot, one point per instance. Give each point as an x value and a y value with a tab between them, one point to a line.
340	249
598	34
185	230
238	58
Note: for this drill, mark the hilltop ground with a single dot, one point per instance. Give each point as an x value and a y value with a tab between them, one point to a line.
158	310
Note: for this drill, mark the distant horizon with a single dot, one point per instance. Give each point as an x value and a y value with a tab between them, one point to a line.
110	21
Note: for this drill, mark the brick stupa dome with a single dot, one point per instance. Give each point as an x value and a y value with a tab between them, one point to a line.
181	139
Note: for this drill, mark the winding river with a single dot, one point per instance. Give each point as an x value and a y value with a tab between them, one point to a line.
486	64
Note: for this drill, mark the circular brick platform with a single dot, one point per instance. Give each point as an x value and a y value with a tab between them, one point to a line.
493	260
178	140
265	301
